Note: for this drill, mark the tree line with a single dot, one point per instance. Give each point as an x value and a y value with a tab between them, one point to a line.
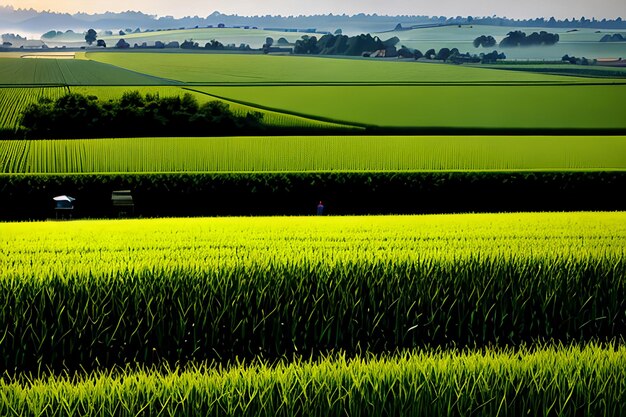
78	116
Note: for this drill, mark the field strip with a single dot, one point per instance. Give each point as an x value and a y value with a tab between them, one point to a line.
318	153
283	111
279	111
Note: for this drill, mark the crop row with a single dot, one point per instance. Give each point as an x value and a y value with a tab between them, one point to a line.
101	293
209	194
574	381
13	101
326	153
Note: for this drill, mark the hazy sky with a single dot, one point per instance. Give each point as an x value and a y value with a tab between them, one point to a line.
508	8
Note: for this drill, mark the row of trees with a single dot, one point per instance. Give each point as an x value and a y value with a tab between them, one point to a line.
519	38
344	45
79	116
451	55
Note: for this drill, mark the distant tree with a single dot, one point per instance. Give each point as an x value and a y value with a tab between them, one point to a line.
338	32
101	43
282	41
90	36
398	27
137	30
267	45
418	54
213	44
50	34
443	54
189	44
430	54
484	41
122	33
122	44
221	25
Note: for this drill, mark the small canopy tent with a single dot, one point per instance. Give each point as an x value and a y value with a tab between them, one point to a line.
63	203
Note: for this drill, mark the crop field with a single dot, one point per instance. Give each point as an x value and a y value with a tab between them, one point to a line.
298	153
259	69
23	72
271	286
586	381
13	101
527	106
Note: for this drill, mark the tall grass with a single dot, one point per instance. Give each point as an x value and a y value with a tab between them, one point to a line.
550	381
94	294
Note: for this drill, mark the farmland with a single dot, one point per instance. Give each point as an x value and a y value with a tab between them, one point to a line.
511	304
314	284
528	106
301	154
567	381
259	69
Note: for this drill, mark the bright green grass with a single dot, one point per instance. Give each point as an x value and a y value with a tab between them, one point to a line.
233	68
531	106
566	381
352	153
13	101
140	291
23	71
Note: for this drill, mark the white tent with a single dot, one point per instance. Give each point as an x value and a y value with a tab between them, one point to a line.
64	198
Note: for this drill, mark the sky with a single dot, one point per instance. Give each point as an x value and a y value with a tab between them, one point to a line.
504	8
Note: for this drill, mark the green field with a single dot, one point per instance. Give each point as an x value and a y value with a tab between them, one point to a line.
578	381
146	291
445	106
298	153
13	101
259	69
22	71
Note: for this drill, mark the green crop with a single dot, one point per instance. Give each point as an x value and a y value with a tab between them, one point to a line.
21	71
564	381
259	69
484	106
327	153
100	293
13	101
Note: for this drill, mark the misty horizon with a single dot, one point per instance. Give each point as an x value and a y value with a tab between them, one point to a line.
531	9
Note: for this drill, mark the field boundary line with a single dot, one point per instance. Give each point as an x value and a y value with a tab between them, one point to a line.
282	111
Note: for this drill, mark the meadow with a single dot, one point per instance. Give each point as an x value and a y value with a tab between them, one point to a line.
460	314
315	153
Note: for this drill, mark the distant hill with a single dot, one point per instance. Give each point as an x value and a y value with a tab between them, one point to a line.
33	22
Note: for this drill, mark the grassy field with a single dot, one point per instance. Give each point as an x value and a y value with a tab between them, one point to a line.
13	101
253	69
146	291
20	71
582	381
352	153
526	106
